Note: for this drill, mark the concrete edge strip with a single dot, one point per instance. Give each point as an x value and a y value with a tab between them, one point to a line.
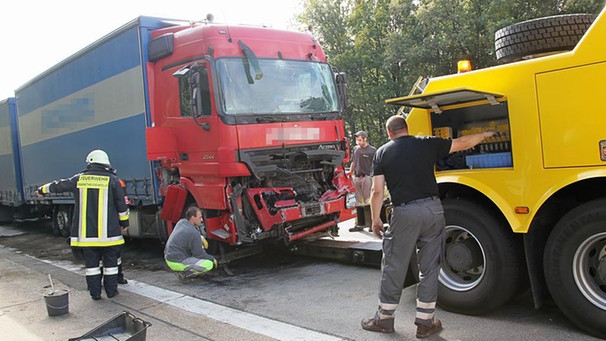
247	321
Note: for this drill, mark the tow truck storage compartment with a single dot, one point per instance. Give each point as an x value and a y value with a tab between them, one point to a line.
461	112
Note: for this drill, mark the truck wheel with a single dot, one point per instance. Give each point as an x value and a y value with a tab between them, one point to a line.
540	36
483	265
6	214
62	216
575	266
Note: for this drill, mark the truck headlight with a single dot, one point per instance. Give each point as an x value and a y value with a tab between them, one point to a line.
350	201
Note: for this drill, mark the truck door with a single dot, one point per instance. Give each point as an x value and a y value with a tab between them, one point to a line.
196	127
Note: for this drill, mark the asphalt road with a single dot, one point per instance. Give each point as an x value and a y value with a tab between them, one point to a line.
313	295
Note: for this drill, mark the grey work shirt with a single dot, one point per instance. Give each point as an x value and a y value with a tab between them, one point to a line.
362	159
184	242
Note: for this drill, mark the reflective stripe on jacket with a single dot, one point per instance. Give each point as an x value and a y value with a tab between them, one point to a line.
102	209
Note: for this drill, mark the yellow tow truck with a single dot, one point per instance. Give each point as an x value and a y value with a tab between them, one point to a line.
526	208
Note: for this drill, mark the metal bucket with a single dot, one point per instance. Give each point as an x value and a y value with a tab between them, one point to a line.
57	302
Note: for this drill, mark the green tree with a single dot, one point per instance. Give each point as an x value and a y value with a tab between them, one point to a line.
385	45
582	6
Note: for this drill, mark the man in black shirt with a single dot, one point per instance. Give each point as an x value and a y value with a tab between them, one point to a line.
406	164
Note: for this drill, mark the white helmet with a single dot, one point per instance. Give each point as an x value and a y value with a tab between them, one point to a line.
98	156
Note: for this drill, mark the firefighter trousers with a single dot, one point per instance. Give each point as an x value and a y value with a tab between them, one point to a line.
109	275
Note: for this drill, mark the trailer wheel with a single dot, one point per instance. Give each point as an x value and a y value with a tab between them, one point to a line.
540	36
6	214
62	217
575	266
483	265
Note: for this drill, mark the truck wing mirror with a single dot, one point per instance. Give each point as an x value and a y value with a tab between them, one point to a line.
198	92
196	100
341	81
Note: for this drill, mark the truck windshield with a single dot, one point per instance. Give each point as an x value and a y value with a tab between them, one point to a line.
286	87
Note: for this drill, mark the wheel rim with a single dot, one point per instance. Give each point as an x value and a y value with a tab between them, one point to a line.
464	259
62	219
589	269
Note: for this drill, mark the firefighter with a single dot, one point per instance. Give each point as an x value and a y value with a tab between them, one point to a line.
99	222
77	252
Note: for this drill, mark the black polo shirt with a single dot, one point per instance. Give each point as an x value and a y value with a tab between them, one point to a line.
408	164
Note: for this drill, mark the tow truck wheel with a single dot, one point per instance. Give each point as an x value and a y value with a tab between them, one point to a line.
483	265
575	266
540	36
62	216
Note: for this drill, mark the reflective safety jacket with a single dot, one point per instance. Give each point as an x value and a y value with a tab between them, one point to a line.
102	206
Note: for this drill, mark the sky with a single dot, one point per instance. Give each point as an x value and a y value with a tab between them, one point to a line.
37	34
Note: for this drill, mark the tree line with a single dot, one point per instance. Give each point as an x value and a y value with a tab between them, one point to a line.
385	45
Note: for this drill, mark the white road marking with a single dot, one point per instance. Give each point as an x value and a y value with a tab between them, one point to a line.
251	322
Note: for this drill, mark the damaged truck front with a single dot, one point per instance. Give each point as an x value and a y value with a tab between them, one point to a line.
244	122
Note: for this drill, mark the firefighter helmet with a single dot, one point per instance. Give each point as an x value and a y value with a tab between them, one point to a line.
98	156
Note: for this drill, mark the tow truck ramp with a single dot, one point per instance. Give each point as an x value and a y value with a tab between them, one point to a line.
358	252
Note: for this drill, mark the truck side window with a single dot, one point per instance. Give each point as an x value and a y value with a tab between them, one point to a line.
195	88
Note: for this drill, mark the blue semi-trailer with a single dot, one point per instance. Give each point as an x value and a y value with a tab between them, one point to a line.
95	99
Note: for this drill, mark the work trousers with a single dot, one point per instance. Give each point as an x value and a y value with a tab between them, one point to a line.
192	265
120	273
109	275
415	226
363	185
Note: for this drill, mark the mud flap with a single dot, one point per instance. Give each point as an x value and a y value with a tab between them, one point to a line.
173	203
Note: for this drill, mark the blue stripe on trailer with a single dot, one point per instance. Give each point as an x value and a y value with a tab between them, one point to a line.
11	186
64	156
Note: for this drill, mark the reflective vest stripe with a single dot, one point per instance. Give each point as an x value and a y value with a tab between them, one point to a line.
118	240
102	214
83	209
123	216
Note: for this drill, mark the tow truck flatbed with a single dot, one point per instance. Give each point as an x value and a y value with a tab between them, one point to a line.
350	251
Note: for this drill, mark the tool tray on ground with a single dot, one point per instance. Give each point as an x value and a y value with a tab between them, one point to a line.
124	326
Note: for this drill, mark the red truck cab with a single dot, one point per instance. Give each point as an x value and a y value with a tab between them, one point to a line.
246	122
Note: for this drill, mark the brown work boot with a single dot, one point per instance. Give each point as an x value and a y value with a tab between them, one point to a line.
375	324
425	330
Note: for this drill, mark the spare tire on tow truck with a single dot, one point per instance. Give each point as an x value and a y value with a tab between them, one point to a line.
541	36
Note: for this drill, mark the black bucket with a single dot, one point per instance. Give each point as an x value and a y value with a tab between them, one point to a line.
57	302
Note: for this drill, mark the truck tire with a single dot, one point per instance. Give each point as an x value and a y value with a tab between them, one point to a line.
575	266
6	214
540	36
62	217
483	265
